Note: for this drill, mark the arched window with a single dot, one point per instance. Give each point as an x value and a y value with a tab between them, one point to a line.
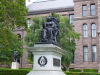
19	37
85	33
93	30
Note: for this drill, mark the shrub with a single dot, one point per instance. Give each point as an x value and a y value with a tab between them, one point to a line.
90	70
75	70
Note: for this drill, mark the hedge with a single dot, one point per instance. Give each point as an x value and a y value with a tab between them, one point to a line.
90	70
84	70
13	72
26	71
75	70
81	73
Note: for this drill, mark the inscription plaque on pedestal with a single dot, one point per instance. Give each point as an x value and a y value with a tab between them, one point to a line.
56	62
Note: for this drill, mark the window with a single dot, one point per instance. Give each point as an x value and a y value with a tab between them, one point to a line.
29	22
85	50
84	10
94	53
73	59
19	37
93	30
85	30
71	17
92	9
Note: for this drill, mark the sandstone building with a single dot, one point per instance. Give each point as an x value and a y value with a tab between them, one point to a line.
84	15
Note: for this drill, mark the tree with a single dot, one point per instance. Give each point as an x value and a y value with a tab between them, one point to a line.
67	40
67	36
8	43
33	35
12	14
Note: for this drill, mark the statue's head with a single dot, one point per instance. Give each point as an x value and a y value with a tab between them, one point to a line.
49	19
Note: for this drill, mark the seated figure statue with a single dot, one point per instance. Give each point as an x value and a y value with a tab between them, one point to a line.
49	33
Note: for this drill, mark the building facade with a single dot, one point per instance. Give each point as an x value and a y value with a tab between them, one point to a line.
87	23
84	15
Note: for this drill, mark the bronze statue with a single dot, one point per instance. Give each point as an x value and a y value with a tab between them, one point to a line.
15	56
50	31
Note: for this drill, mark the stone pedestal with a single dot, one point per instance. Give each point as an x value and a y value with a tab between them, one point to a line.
15	65
47	59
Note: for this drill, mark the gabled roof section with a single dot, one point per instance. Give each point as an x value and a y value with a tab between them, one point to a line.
50	5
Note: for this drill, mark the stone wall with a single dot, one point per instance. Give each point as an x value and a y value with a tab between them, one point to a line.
85	41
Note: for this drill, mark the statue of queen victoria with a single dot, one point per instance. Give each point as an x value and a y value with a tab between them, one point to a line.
50	30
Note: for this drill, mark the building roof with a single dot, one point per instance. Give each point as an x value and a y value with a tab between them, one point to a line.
50	5
53	10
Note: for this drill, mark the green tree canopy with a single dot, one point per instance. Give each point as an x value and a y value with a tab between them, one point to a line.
67	36
8	43
12	14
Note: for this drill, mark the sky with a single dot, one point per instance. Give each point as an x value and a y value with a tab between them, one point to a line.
31	1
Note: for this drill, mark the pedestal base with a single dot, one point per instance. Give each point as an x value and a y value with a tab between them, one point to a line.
15	65
46	73
47	59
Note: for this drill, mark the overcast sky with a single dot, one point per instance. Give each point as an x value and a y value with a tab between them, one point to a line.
31	1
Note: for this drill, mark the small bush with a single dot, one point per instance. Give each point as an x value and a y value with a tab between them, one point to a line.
90	70
75	70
